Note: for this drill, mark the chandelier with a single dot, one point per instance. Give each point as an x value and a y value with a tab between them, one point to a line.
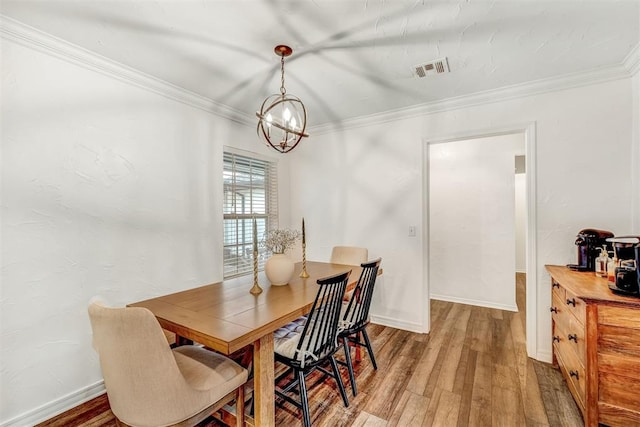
282	118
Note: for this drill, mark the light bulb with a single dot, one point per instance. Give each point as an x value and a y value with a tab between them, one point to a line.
286	115
293	123
269	120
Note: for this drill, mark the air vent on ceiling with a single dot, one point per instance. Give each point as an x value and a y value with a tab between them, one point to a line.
437	66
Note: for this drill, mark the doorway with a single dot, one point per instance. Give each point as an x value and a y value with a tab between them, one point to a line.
473	223
475	262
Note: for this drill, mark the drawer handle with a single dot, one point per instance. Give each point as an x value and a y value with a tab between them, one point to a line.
553	310
574	374
573	337
571	301
556	339
555	285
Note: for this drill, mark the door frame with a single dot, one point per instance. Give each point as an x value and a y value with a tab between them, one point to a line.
529	132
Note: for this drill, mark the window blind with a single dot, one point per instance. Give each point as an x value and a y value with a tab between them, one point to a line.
250	191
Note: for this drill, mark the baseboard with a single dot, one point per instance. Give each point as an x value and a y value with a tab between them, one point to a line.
544	356
479	303
56	407
397	324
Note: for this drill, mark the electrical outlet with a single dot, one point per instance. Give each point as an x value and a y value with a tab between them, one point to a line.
412	231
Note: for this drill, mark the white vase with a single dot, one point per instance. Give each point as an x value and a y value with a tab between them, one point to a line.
279	269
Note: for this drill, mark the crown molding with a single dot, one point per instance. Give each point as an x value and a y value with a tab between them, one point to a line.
537	87
18	32
25	35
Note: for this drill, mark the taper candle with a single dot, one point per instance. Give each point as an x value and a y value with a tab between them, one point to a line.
255	236
304	273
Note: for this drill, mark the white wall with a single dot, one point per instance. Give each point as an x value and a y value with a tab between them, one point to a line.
521	222
472	228
578	140
106	189
363	187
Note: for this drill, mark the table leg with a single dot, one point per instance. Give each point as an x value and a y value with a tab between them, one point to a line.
263	381
182	341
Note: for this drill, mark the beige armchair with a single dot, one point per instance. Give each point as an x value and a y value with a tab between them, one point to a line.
349	255
151	385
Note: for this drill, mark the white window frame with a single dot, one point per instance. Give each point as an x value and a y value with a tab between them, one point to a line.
250	190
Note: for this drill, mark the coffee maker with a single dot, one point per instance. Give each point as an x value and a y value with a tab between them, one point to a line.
589	242
627	250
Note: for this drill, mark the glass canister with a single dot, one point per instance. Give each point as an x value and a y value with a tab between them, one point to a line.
601	263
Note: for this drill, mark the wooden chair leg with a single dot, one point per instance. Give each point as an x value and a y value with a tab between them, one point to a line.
240	407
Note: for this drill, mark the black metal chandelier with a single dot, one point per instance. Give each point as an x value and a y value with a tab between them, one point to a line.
282	118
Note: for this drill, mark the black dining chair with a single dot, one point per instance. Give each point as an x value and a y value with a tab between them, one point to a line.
310	341
354	317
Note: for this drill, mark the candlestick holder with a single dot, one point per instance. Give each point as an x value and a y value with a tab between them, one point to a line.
256	289
304	273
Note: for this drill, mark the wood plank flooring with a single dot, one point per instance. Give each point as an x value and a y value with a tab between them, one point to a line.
471	370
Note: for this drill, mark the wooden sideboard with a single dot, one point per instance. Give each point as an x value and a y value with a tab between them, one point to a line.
596	345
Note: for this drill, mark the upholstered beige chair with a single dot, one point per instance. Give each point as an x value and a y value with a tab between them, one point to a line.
151	385
349	255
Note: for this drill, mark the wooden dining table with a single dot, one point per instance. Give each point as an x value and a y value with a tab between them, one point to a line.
226	317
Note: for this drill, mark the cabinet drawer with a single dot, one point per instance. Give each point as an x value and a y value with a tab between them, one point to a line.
613	415
573	371
576	339
618	365
619	390
559	312
576	306
557	290
569	336
619	341
619	316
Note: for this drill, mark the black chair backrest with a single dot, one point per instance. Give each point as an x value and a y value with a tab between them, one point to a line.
319	337
357	314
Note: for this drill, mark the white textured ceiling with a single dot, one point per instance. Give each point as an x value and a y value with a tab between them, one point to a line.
351	58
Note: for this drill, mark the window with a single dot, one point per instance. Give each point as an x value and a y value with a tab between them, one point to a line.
250	190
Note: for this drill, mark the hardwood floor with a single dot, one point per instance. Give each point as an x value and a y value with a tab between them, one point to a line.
471	370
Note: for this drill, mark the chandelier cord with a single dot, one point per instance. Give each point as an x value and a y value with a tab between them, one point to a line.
283	91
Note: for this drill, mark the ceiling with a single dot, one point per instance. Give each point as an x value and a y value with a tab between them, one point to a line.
351	58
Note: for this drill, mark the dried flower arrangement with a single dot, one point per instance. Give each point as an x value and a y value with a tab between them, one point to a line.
279	240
